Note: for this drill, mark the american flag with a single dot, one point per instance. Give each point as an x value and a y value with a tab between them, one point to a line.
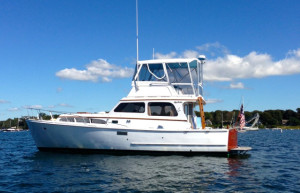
242	118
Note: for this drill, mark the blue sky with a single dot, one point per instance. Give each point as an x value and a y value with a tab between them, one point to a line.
78	55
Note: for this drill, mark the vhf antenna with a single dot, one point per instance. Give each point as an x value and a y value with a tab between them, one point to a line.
137	33
137	42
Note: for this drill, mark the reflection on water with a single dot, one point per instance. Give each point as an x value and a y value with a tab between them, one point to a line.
73	172
273	166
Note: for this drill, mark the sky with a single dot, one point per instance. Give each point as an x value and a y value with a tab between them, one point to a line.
79	56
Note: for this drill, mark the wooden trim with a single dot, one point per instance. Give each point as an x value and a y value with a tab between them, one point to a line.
200	101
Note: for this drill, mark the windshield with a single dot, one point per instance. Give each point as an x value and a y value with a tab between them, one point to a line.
181	78
152	72
184	76
178	72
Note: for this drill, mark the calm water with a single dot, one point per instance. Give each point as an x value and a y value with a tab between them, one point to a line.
274	165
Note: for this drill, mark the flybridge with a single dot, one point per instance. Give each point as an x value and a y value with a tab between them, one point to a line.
167	77
184	76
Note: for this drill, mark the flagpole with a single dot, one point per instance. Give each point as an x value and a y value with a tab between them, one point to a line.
243	100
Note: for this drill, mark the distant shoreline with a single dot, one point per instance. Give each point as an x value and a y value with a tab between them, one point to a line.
289	127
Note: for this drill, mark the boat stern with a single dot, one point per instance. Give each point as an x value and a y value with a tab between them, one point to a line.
233	147
232	139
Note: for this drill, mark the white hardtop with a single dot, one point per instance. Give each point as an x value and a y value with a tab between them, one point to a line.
188	98
172	60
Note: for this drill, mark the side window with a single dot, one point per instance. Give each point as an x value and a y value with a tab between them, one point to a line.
161	109
82	120
130	108
99	121
64	119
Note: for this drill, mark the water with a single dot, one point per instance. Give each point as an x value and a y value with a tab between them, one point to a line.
273	166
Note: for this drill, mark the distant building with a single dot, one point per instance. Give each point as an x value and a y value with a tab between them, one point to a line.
284	121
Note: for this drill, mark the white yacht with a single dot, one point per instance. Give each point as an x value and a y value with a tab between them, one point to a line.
157	116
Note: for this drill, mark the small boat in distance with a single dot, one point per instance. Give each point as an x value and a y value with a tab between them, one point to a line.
157	116
246	125
11	129
253	126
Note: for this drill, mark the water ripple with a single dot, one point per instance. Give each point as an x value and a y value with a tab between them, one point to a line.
272	167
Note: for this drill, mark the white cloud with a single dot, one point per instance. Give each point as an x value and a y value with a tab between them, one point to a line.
294	52
14	109
208	49
190	54
74	74
238	85
213	49
253	65
165	56
64	105
95	70
60	105
211	101
33	107
231	67
3	101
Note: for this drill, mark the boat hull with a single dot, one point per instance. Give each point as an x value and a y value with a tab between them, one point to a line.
250	128
53	135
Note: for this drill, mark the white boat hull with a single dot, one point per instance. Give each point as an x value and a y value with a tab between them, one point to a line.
80	136
250	128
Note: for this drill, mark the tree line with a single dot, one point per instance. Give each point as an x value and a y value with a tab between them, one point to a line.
267	118
15	122
21	122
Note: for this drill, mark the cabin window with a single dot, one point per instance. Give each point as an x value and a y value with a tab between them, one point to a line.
63	119
98	121
152	72
66	119
130	108
82	120
161	109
